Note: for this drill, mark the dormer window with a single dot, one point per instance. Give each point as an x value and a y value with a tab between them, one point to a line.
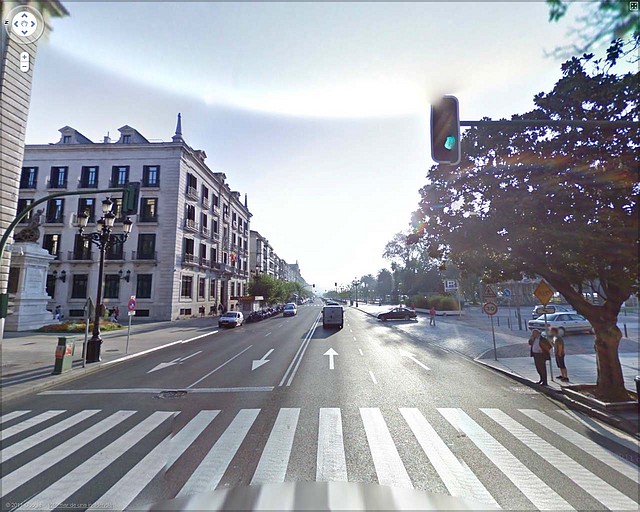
66	139
126	139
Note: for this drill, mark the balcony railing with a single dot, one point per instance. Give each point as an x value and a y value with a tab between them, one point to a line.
54	219
117	256
147	218
192	193
189	259
191	225
29	186
205	203
215	236
223	267
240	228
204	231
117	183
225	242
204	262
215	209
234	224
87	184
225	218
146	255
57	184
79	256
151	184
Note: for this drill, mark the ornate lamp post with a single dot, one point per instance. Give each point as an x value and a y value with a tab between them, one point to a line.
103	238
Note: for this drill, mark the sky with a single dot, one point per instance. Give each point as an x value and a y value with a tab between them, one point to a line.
318	111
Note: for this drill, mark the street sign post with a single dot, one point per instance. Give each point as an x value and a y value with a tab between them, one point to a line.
506	293
489	293
131	306
491	308
88	313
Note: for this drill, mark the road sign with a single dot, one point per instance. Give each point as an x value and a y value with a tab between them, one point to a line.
543	292
131	313
489	293
132	303
490	308
506	293
545	311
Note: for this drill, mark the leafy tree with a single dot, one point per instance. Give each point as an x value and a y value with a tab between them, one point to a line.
384	284
558	202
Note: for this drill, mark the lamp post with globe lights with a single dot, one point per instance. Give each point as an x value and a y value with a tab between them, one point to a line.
103	238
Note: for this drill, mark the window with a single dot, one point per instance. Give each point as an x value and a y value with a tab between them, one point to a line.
212	289
114	251
233	289
79	286
58	177
202	286
119	175
215	226
13	280
151	176
116	209
149	209
126	139
29	177
51	242
89	177
192	182
146	246
23	204
66	139
215	200
204	221
51	286
233	217
214	255
143	286
191	212
111	286
188	249
87	205
205	196
55	210
203	253
245	227
81	248
186	287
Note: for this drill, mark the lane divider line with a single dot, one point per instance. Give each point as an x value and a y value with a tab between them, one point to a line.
213	371
295	369
360	350
300	349
373	377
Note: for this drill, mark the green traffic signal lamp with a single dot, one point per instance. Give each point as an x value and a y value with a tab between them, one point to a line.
445	131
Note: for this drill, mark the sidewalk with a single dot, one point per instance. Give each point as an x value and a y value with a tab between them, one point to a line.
28	357
513	357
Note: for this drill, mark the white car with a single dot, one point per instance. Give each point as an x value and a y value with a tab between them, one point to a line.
231	319
564	322
290	310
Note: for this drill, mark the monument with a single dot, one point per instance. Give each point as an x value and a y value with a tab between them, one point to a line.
27	280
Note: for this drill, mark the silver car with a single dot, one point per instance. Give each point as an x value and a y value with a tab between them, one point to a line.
564	322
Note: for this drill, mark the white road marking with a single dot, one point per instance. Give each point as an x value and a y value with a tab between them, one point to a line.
331	353
280	497
540	494
257	363
404	353
194	354
40	464
389	466
12	415
42	435
354	338
609	496
268	334
273	463
208	474
200	336
455	474
626	467
360	350
71	482
223	364
603	430
303	347
129	486
153	391
373	377
331	463
31	422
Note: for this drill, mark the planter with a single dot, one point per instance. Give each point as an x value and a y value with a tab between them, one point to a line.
583	393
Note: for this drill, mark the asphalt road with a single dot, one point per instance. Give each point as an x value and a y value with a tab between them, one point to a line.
286	400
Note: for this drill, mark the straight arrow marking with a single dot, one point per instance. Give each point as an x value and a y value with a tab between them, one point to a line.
257	363
331	353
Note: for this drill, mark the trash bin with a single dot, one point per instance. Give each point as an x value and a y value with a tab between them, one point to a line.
64	355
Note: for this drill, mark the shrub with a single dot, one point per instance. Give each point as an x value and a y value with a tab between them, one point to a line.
79	326
443	303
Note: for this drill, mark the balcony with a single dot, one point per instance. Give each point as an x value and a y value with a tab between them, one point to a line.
147	218
225	218
54	219
188	259
216	210
205	203
29	186
150	184
192	193
115	256
79	256
234	224
118	183
223	267
57	184
215	236
234	247
191	225
240	229
205	231
204	262
225	242
144	255
87	184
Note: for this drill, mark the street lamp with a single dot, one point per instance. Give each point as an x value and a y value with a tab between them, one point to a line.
103	238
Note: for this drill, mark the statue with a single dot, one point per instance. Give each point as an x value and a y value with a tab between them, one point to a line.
31	233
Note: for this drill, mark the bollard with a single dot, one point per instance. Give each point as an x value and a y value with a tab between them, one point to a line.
498	318
64	355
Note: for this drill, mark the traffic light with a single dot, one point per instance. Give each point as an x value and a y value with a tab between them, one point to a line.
130	199
445	131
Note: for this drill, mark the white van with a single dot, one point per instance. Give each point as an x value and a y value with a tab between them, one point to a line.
332	315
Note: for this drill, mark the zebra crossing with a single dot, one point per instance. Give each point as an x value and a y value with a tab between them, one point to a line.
134	449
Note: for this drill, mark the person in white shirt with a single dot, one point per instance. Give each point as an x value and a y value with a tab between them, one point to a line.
540	351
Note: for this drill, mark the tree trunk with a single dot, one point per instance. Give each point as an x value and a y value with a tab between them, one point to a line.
610	384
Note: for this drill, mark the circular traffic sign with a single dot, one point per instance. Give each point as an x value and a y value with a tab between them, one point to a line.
132	304
506	292
490	308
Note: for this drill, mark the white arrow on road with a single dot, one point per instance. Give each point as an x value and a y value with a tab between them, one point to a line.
178	360
412	357
257	363
331	353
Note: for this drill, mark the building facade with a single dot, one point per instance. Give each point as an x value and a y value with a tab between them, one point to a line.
188	251
15	97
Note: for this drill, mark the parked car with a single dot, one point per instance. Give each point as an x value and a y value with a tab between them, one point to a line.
231	319
558	309
399	313
564	322
290	309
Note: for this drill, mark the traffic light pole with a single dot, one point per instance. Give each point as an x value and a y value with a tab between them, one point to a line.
4	296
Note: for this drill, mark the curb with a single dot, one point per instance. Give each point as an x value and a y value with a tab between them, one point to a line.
615	421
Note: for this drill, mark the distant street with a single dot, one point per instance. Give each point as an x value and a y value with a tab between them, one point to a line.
286	400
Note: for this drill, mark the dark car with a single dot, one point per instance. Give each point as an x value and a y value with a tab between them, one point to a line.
399	313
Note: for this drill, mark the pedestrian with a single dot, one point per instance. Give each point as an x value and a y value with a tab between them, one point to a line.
220	308
116	313
558	350
540	351
112	315
201	311
432	316
58	313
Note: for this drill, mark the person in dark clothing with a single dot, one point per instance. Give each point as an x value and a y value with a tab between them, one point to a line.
540	351
558	350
